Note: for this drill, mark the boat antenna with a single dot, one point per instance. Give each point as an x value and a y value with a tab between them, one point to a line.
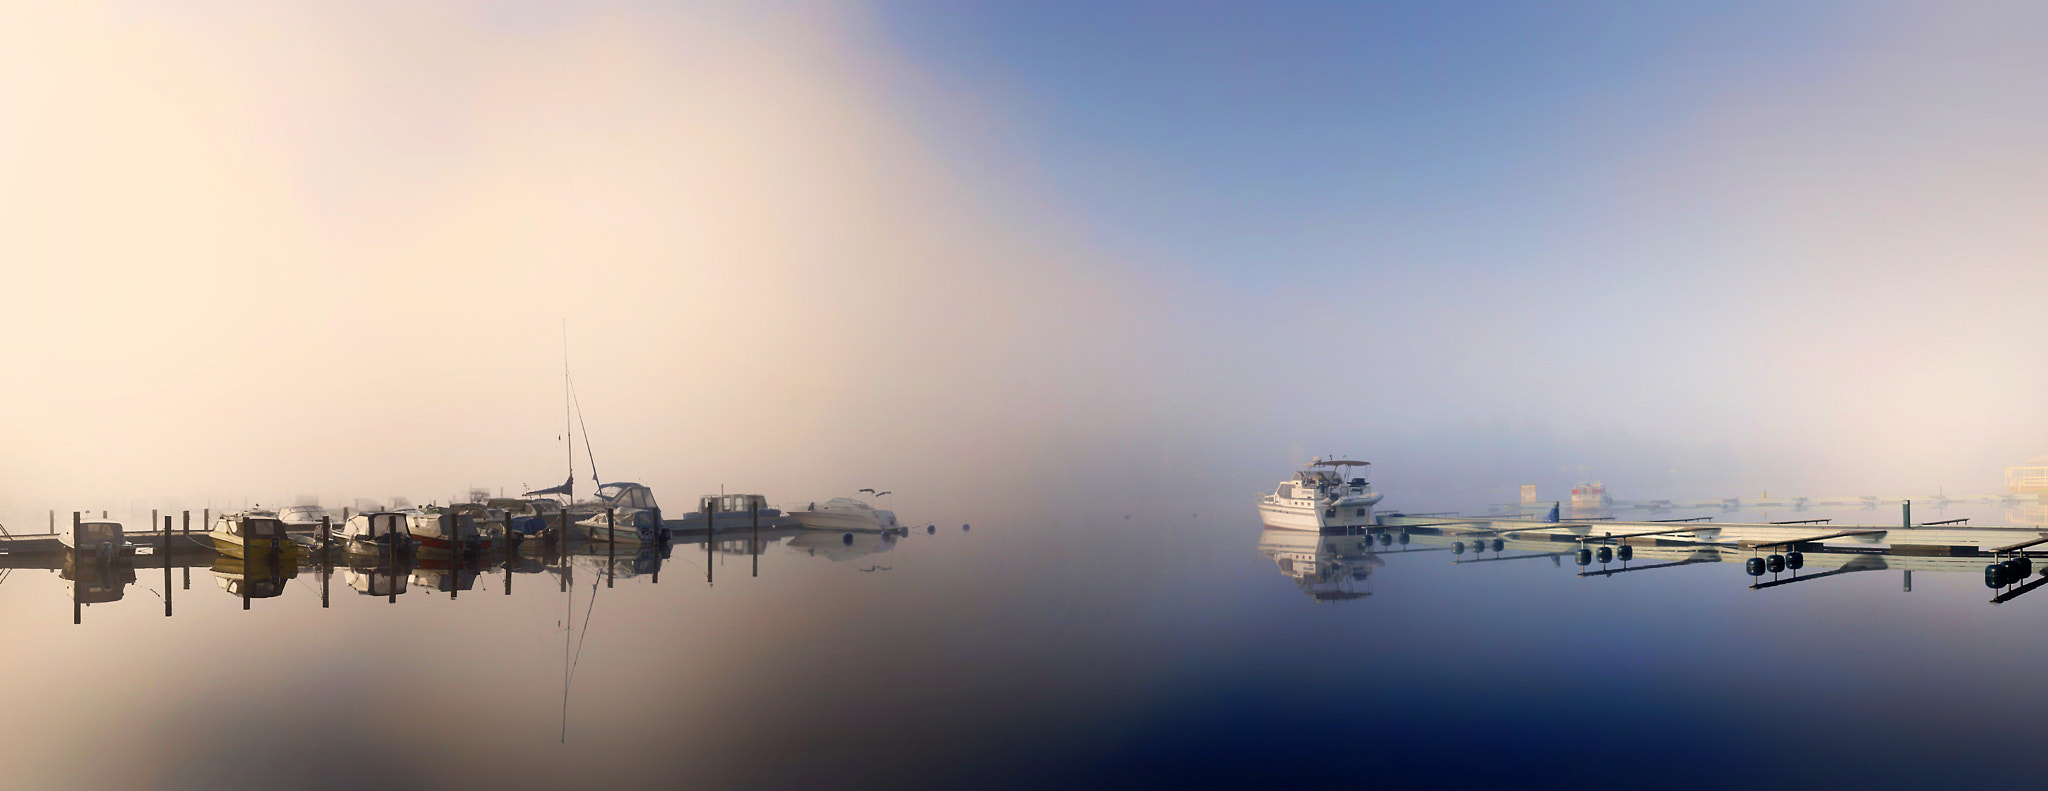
568	397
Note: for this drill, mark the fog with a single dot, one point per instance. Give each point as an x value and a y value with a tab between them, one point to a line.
337	251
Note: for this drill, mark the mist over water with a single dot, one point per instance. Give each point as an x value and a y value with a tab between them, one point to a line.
1090	280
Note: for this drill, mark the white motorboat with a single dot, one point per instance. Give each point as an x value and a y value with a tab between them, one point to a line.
98	538
380	533
440	531
843	514
623	512
303	515
252	533
1318	497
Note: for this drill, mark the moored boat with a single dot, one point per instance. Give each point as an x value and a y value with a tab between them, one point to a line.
99	538
438	531
251	533
381	533
844	514
1318	497
303	516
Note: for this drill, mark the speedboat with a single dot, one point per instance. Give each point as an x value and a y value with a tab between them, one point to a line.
1319	498
251	533
97	538
843	514
382	534
441	531
623	512
303	515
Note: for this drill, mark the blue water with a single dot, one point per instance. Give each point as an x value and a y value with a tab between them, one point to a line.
1040	648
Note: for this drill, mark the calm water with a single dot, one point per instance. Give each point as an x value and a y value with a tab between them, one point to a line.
1067	646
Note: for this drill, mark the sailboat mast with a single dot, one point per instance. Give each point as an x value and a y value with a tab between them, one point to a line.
568	427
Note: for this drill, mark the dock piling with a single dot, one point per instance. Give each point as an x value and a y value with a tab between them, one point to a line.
326	559
754	542
77	586
611	544
166	543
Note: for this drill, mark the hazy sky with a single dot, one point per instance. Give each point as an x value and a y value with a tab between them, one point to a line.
802	248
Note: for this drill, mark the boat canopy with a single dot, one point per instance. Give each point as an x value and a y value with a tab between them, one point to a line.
1337	463
373	527
626	495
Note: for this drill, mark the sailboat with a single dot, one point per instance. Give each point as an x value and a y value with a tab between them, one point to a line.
621	512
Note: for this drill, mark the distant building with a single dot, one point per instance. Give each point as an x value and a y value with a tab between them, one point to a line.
1528	494
2030	478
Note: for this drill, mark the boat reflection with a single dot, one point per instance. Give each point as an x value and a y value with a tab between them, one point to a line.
1326	566
261	579
842	546
93	581
382	580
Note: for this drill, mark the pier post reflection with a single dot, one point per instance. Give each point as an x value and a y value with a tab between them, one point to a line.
77	590
166	548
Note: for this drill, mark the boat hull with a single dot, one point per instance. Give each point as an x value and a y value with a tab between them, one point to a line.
842	520
236	546
1284	515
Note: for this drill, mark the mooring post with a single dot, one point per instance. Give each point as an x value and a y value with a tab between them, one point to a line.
326	560
152	518
77	574
166	543
1908	580
1906	512
188	534
611	544
53	521
710	508
754	542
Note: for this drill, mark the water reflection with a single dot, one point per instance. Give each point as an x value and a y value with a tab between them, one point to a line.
1327	567
262	578
373	556
1334	565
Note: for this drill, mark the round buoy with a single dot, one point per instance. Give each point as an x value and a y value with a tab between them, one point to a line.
1584	556
1386	539
1775	563
1457	547
1606	554
2023	567
1756	567
1499	544
964	527
1994	575
1625	553
1404	539
846	539
1795	560
931	530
